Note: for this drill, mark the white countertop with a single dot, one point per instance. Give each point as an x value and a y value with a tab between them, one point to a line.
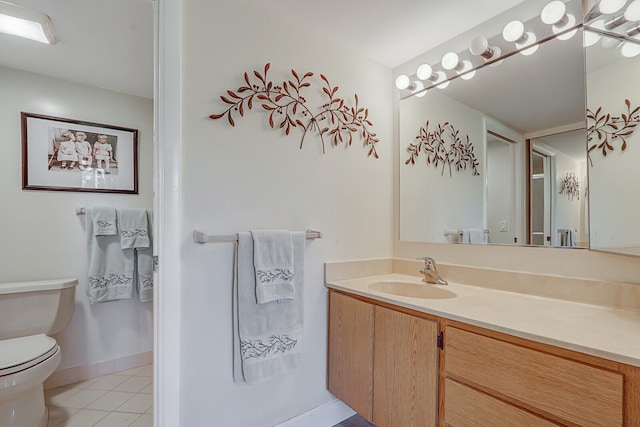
606	332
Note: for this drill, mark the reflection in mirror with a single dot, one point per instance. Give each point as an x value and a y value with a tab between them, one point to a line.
613	98
489	119
558	206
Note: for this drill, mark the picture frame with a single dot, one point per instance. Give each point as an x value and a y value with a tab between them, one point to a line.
61	154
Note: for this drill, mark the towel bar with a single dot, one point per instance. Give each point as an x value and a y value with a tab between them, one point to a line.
200	236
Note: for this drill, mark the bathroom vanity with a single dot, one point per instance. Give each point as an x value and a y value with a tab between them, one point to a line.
483	352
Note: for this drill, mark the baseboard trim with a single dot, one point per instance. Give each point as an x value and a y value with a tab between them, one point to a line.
327	415
72	375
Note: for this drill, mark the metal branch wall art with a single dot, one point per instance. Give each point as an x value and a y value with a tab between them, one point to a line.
570	186
607	128
288	108
445	146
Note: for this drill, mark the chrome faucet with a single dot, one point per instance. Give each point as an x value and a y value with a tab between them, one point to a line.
430	272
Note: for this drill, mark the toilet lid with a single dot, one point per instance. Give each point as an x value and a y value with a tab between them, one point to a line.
21	353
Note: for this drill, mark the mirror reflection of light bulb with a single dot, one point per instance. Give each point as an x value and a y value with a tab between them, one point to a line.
441	78
418	90
466	66
609	42
590	38
630	50
611	6
571	21
402	82
530	40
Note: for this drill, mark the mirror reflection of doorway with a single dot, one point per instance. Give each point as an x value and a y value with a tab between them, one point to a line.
540	203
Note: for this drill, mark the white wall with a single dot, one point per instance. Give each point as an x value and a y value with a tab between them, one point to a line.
432	199
254	177
500	191
41	235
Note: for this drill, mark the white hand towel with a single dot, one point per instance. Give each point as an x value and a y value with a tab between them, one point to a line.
464	235
477	236
267	337
144	265
110	269
104	221
134	228
274	269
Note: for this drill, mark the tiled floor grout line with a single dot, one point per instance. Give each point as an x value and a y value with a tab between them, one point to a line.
114	400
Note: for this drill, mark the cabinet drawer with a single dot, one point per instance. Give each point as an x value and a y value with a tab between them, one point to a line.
464	406
550	385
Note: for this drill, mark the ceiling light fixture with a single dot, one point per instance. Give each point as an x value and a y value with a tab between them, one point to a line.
20	21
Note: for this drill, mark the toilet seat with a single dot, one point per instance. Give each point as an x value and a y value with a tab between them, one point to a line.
18	354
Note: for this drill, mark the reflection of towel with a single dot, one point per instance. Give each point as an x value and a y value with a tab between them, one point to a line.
104	221
267	337
273	261
464	235
111	270
134	228
568	237
144	264
476	236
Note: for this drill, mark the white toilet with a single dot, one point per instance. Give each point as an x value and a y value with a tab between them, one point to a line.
29	312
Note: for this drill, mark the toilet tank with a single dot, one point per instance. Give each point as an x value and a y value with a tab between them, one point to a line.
40	307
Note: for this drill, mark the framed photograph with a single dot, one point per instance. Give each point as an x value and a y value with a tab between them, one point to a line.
72	155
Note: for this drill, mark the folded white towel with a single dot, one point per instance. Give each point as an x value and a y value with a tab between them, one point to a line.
110	269
134	228
104	221
477	236
144	265
267	337
273	261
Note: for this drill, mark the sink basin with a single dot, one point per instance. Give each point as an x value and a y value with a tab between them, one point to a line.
412	290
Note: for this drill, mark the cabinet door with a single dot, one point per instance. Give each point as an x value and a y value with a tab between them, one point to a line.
405	373
351	352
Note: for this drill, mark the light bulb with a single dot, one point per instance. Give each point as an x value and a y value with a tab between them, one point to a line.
466	66
480	47
450	61
425	72
630	50
553	13
513	31
633	11
611	6
403	82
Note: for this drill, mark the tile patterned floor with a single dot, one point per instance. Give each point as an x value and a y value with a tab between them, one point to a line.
116	400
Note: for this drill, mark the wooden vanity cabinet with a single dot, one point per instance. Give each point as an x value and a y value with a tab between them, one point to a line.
383	362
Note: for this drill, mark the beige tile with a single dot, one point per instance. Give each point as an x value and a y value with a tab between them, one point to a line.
84	384
55	396
145	371
148	389
134	384
84	418
110	401
131	372
82	398
140	403
109	382
144	421
59	414
117	419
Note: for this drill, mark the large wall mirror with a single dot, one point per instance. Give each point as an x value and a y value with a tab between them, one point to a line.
501	157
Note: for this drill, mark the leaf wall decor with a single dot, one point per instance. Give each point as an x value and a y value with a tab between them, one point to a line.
444	145
606	129
570	186
287	108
